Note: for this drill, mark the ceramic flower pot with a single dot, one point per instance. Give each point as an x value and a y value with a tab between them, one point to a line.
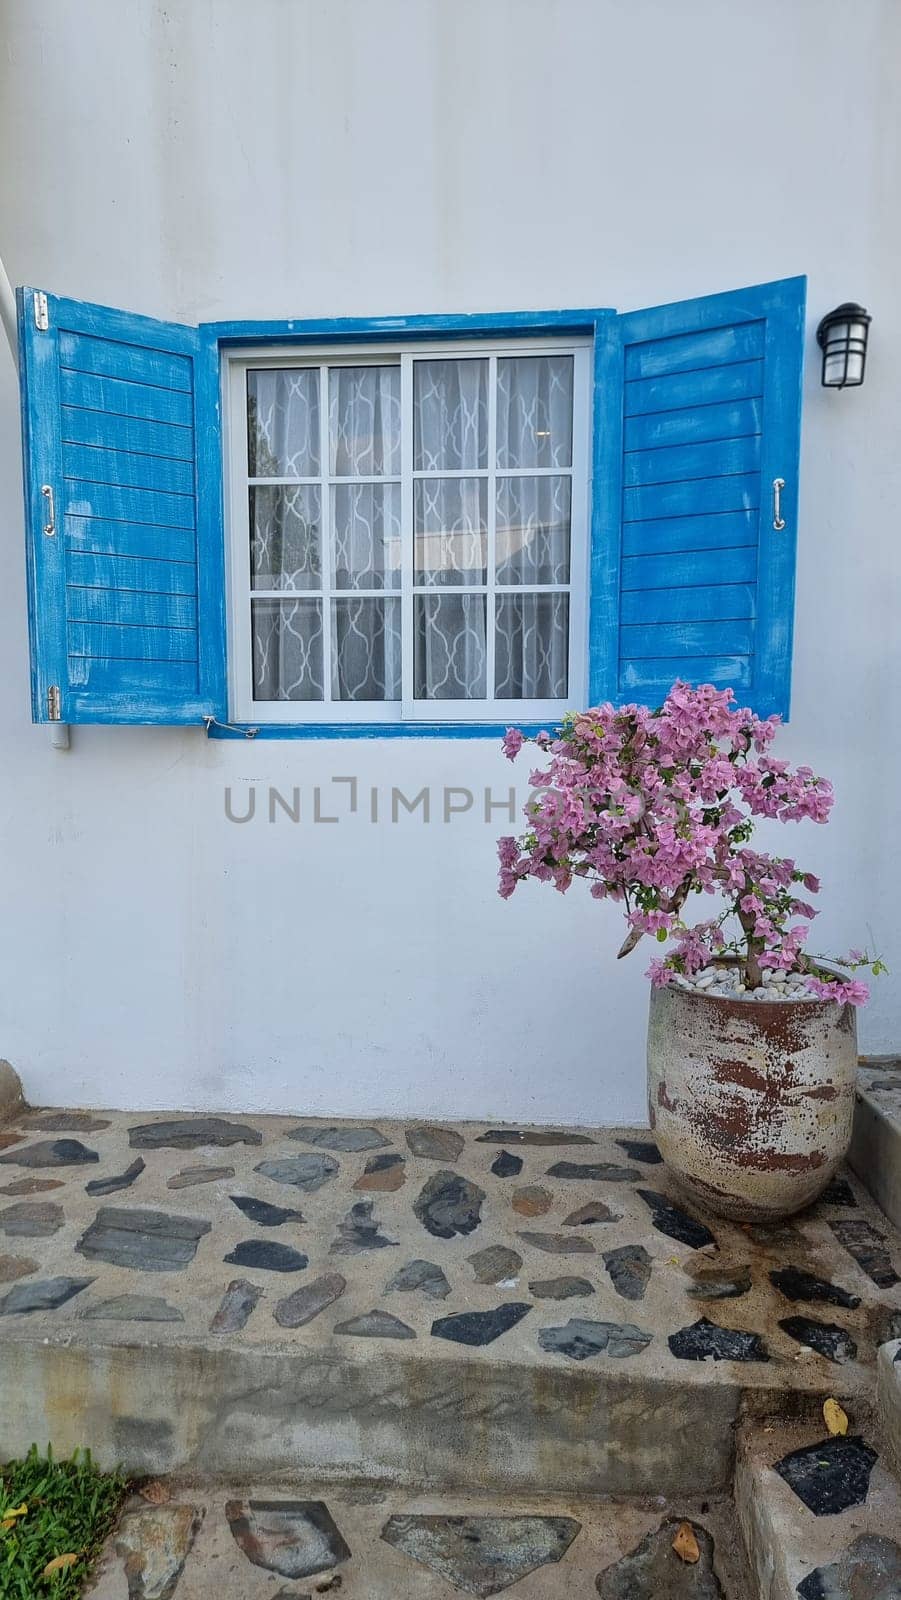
751	1101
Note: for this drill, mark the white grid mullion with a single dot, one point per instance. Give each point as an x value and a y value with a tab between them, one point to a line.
325	526
407	536
492	525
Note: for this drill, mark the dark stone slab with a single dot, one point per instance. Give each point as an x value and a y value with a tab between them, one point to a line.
532	1200
236	1306
831	1476
862	1241
495	1264
630	1270
295	1538
593	1171
189	1133
585	1216
532	1136
45	1295
796	1284
190	1176
31	1185
559	1244
653	1571
154	1543
308	1173
383	1174
339	1138
51	1153
32	1219
839	1193
299	1308
826	1338
375	1325
579	1338
480	1327
564	1288
435	1144
506	1166
482	1555
123	1180
643	1150
64	1122
870	1569
132	1308
448	1204
358	1232
13	1267
423	1276
704	1341
266	1255
674	1222
148	1241
719	1283
262	1213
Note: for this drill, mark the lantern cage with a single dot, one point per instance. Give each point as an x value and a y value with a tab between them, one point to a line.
842	337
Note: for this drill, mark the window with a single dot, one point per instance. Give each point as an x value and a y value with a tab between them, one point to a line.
409	532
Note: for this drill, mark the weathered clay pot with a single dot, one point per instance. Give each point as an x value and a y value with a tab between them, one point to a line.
751	1101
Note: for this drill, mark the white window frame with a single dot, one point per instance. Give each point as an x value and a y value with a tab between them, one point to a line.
243	707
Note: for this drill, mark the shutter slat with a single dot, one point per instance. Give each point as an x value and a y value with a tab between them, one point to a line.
644	677
715	347
704	386
728	420
127	606
718	530
715	602
721	458
688	568
741	492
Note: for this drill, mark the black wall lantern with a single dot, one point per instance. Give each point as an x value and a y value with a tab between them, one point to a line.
842	337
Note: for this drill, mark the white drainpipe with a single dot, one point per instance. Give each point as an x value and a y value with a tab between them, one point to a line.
59	731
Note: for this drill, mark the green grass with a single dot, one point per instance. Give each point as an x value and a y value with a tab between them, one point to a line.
71	1508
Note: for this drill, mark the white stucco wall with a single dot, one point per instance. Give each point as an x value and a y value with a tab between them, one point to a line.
203	159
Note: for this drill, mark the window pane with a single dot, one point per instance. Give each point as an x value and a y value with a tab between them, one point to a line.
450	415
449	656
366	649
531	647
534	411
287	649
283	423
364	421
532	530
450	522
366	540
285	543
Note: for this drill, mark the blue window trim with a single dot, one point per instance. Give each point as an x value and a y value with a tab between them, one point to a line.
597	322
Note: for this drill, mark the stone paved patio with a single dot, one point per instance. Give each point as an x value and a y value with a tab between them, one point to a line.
526	1245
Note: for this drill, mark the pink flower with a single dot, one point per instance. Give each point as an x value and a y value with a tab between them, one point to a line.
513	743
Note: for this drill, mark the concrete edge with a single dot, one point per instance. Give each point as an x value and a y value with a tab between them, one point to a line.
875	1153
888	1397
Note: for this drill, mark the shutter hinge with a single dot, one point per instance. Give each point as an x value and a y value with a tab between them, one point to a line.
41	314
54	708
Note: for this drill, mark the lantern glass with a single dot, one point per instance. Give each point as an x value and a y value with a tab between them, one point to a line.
842	336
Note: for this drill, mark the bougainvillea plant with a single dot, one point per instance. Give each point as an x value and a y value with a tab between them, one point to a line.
654	806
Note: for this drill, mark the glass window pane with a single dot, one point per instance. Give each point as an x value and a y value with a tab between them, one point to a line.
531	647
364	421
287	649
283	422
534	411
450	415
366	541
449	654
366	649
532	530
450	523
285	537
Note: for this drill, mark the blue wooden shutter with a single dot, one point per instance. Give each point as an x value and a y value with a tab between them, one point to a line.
700	406
121	440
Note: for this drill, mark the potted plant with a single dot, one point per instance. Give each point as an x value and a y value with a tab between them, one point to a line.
752	1045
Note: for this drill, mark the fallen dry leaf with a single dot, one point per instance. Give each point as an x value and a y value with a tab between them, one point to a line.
59	1564
835	1418
685	1544
156	1492
8	1519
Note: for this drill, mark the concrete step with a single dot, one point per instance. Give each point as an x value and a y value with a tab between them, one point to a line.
820	1514
875	1153
269	1542
888	1397
458	1307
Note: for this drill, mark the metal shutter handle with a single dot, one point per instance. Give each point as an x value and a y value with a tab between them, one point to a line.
50	524
778	519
